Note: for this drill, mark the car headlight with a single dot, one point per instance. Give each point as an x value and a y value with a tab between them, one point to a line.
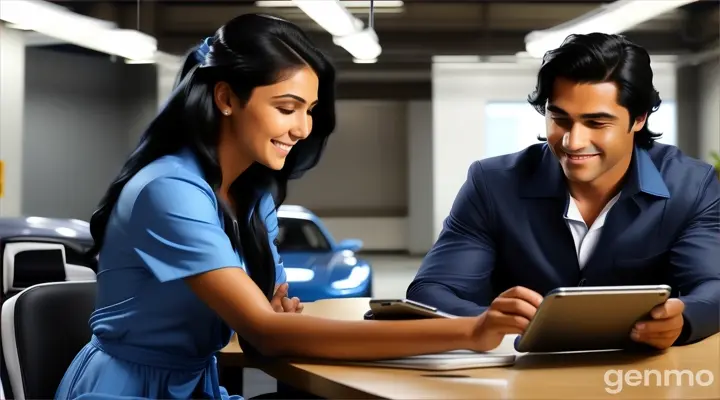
346	257
358	275
299	274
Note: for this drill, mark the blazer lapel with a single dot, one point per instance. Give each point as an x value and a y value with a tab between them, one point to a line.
546	195
643	185
618	220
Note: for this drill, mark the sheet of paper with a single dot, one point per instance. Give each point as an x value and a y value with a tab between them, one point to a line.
506	347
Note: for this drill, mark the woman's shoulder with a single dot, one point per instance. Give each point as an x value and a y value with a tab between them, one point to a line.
167	180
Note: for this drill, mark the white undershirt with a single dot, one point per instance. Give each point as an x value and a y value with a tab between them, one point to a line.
585	238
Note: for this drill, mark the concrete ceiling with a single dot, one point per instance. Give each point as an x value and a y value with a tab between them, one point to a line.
421	29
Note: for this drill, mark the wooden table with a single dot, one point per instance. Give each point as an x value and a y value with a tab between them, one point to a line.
679	373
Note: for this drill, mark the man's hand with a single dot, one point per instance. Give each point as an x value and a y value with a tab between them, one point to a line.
509	313
665	326
281	303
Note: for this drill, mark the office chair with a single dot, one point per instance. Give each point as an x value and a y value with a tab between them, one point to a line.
26	263
29	261
43	329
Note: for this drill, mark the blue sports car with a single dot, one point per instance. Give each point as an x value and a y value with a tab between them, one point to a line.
317	267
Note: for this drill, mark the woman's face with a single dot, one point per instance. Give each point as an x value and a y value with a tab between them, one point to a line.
274	119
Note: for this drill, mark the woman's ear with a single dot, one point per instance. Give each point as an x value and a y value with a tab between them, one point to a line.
223	98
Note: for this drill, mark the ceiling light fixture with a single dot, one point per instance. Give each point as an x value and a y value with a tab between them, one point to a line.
347	4
613	18
362	45
348	32
331	16
58	22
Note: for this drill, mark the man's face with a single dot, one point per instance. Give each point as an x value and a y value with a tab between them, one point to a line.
588	131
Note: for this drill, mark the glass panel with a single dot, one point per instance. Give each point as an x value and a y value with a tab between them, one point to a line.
513	126
300	235
664	121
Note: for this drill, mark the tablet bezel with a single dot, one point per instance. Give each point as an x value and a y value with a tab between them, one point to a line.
640	299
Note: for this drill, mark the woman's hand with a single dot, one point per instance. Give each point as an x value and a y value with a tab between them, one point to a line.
509	313
281	303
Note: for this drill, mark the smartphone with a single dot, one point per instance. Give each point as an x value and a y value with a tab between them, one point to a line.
404	309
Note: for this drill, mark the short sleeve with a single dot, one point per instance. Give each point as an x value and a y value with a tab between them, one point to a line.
175	229
267	209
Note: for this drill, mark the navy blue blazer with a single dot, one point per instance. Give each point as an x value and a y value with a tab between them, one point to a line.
506	229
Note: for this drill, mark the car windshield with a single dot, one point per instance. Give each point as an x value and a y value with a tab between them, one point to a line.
300	235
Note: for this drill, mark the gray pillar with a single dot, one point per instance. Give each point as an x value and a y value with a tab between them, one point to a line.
420	191
709	106
688	110
12	104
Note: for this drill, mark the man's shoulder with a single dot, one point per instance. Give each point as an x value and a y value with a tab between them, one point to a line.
680	172
509	166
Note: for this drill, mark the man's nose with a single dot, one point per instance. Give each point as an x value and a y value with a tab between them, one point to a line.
577	138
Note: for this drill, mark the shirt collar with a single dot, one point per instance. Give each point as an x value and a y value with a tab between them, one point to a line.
548	180
643	176
190	161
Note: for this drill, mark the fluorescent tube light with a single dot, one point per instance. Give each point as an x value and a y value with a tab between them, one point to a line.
613	18
58	22
348	4
160	58
361	45
331	16
361	61
456	59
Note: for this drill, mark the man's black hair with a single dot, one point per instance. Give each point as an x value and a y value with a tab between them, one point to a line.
596	58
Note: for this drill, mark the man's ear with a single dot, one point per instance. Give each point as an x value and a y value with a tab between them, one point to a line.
222	95
639	123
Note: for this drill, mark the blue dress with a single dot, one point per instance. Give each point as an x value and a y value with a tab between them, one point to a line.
152	337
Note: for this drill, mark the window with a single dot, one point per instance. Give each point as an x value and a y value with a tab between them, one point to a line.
300	235
512	126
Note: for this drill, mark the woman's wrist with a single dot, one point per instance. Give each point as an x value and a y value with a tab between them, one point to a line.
468	335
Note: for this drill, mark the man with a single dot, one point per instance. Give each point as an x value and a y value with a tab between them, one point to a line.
599	204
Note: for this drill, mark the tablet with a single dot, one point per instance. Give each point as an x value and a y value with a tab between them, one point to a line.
394	309
589	318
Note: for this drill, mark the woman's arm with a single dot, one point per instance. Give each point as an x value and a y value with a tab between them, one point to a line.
175	231
236	298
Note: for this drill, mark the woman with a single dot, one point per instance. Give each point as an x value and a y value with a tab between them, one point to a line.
178	272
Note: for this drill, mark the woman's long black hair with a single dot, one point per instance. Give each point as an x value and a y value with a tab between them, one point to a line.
249	51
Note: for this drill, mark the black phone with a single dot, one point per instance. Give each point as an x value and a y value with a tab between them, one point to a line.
398	309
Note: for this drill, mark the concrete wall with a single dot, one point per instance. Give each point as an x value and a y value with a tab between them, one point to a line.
79	111
12	93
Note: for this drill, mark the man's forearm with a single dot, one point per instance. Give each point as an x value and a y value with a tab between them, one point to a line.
702	312
442	297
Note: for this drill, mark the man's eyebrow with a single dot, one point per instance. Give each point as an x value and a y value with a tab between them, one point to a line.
556	109
598	115
595	115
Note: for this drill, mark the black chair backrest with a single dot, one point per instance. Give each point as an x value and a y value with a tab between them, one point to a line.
51	326
25	264
38	266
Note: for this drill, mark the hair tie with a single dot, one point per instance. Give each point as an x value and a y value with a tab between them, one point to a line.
203	50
